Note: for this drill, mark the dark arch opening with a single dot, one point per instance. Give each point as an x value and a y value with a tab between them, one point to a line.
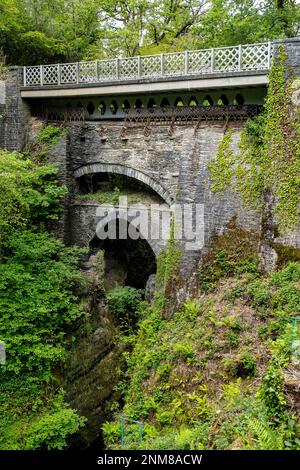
105	184
138	104
164	102
239	100
193	101
113	107
90	108
126	262
102	108
223	101
179	101
126	104
151	103
208	101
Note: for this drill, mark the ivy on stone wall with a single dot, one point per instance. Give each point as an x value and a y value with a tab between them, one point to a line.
267	165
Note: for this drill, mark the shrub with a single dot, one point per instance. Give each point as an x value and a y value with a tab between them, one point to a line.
124	302
50	135
52	431
123	299
183	351
271	392
243	365
234	339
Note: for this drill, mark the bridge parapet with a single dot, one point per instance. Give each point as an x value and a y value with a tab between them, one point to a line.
242	58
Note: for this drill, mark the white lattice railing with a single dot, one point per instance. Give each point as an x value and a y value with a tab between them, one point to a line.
250	57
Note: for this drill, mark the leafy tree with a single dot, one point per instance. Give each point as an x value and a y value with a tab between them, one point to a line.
41	31
230	22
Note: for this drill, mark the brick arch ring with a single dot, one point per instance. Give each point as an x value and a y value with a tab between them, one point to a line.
126	171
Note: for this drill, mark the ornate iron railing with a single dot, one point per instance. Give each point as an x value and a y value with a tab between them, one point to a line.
249	57
188	114
160	115
66	116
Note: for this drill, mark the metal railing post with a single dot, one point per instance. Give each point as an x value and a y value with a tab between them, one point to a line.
162	65
118	68
139	66
212	65
97	70
240	58
41	75
186	63
58	74
24	75
77	73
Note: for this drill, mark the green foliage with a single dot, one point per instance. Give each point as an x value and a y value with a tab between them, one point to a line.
111	432
267	438
112	197
280	292
234	339
224	264
51	431
229	22
124	298
37	275
167	271
178	378
50	135
272	392
267	167
46	31
221	171
125	302
243	365
37	304
29	192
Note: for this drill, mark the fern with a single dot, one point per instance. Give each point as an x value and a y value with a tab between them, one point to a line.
266	437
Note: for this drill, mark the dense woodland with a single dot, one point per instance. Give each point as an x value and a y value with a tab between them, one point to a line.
45	31
216	373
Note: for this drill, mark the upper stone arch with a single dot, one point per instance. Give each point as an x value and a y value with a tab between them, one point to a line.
126	171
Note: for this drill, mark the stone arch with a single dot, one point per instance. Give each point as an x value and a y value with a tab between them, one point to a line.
126	171
154	244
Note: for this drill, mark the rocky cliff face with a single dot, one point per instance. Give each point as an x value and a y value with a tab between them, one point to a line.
92	367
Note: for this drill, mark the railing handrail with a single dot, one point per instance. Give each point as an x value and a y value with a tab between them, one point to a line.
245	57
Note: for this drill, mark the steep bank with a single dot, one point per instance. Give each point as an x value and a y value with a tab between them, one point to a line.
222	372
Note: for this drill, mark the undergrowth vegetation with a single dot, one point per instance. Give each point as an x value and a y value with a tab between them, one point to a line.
37	304
213	375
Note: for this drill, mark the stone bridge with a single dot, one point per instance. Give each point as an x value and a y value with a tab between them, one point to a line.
156	121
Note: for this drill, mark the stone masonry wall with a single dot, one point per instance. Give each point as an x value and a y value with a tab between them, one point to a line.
178	162
14	112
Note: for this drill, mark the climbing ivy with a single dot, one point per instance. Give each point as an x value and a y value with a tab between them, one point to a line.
167	269
267	165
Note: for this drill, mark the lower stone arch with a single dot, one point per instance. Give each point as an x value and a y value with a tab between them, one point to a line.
126	171
123	257
154	245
